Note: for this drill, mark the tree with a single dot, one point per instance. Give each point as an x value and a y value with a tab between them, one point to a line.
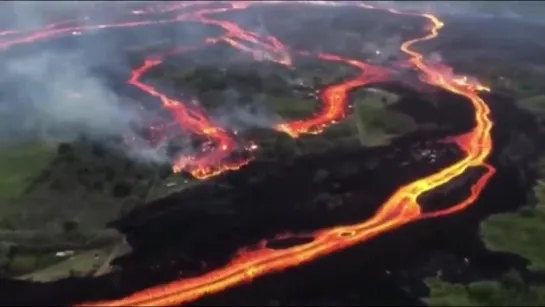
65	149
98	151
55	185
98	185
109	173
164	171
69	226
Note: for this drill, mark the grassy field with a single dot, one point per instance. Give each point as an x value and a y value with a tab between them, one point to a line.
82	263
19	165
76	185
376	125
57	198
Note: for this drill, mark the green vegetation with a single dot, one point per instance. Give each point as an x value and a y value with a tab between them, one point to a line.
80	263
19	165
247	79
509	291
84	184
373	124
58	198
520	233
376	125
286	95
292	108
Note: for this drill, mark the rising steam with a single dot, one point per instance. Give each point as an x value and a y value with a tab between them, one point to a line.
55	92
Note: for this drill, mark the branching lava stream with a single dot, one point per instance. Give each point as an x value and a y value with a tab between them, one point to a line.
401	208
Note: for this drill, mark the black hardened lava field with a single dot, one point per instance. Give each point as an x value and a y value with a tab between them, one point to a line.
252	152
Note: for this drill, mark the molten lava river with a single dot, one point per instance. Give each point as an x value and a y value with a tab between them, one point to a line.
401	207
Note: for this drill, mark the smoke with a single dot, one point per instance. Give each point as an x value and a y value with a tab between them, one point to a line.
55	92
61	91
58	93
240	113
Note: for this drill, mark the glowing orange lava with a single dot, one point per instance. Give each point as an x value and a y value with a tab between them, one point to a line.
210	163
334	98
214	162
401	208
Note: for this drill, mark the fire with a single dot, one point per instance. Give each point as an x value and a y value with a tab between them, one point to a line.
401	208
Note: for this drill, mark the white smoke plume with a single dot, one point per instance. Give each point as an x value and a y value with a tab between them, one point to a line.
55	91
240	115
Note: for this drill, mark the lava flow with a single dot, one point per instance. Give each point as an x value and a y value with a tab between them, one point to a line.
210	163
218	158
401	208
334	98
215	161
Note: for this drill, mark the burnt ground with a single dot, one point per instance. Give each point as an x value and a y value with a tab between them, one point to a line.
201	228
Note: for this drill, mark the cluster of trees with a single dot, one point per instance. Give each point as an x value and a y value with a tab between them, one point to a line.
279	146
219	78
94	168
84	177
